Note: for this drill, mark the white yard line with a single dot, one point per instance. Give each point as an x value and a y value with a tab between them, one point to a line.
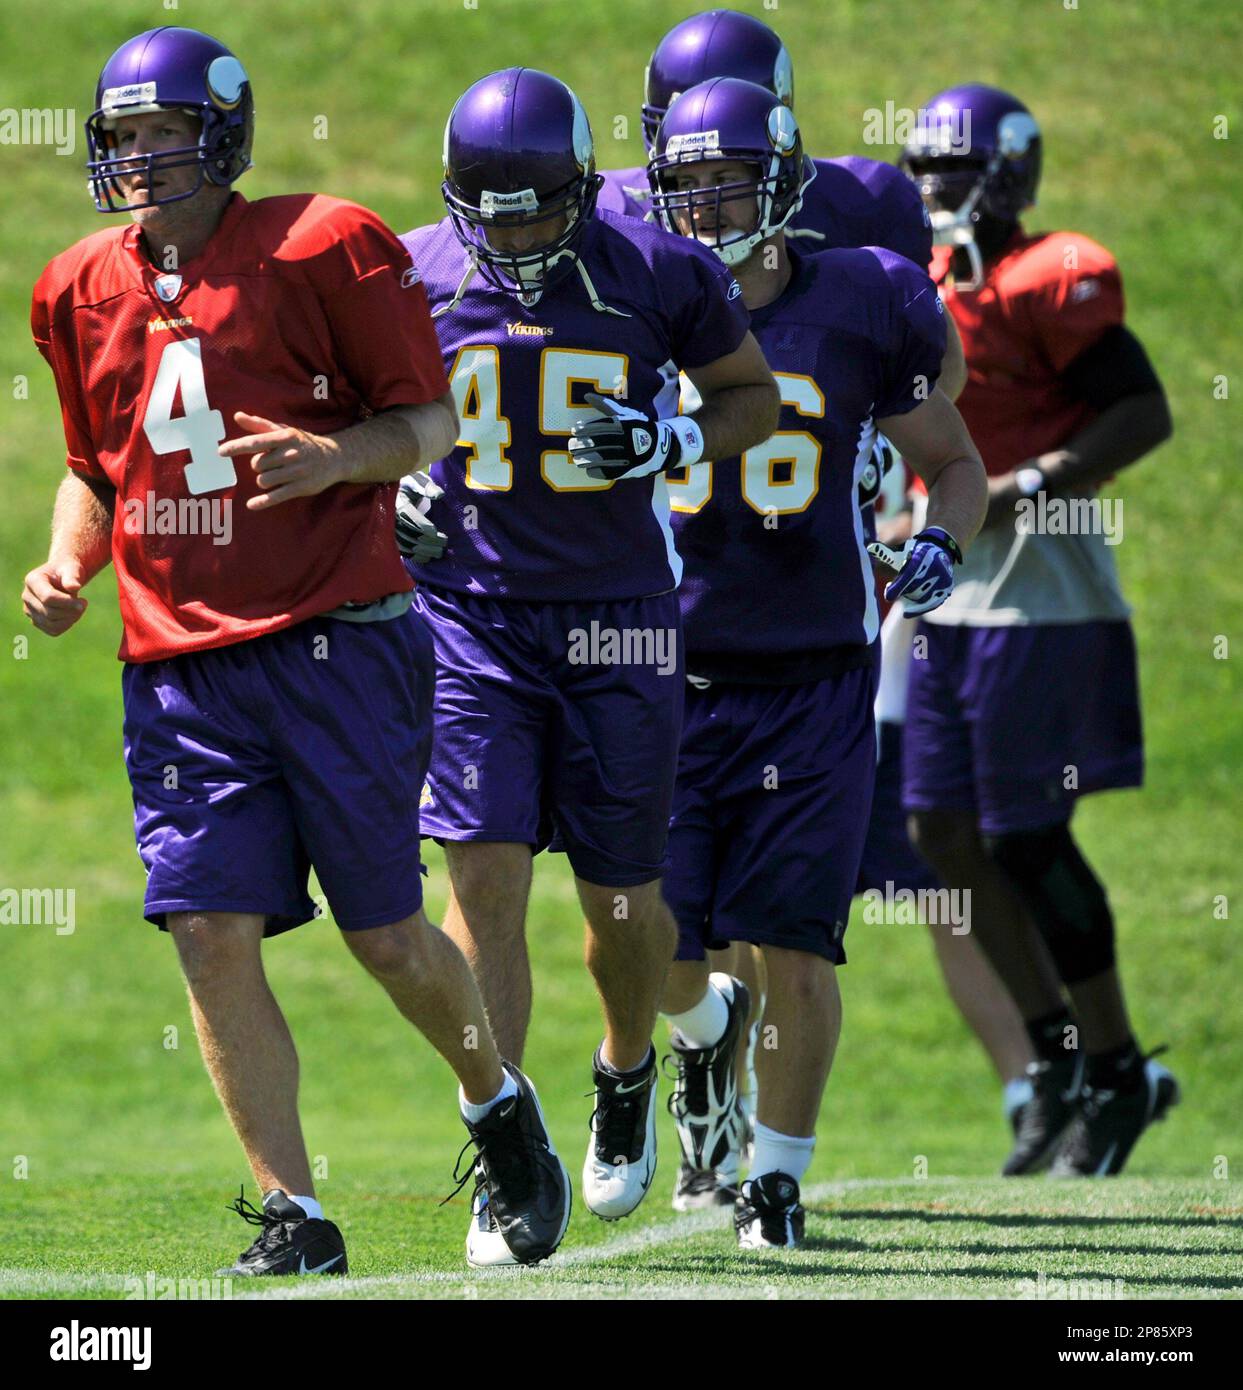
16	1283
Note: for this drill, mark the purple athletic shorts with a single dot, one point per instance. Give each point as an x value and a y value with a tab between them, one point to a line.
889	858
770	814
557	726
252	763
1016	723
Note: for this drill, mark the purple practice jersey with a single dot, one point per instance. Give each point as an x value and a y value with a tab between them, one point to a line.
850	202
778	585
624	191
862	202
523	521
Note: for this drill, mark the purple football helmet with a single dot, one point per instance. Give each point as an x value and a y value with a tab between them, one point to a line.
727	118
518	151
975	154
717	43
179	69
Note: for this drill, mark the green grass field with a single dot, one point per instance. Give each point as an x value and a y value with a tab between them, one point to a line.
114	1157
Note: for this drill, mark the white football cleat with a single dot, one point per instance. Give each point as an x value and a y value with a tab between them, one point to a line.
621	1155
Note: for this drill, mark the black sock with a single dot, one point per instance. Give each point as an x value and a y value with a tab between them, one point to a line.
1048	1035
1119	1069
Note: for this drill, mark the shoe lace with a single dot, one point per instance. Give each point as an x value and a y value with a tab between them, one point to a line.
689	1074
502	1156
272	1225
616	1121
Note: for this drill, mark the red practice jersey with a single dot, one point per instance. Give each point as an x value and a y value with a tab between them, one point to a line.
304	310
1044	300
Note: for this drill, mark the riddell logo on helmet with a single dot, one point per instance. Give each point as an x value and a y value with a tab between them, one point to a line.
697	140
523	201
136	94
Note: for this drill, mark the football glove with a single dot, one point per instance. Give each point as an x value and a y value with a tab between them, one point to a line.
626	443
875	473
925	570
417	536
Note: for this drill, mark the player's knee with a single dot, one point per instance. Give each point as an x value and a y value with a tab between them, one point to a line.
1064	897
799	979
390	951
216	947
490	882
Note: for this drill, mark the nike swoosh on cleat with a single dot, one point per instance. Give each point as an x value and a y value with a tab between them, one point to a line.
317	1269
1103	1169
620	1090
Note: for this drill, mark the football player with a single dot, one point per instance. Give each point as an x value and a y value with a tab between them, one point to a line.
1028	698
778	748
235	430
554	611
852	201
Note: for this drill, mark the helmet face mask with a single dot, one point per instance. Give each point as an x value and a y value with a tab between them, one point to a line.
165	70
526	273
518	152
728	120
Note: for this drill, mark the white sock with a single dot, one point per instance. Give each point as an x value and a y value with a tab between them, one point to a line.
705	1024
1017	1091
475	1113
780	1153
309	1205
627	1071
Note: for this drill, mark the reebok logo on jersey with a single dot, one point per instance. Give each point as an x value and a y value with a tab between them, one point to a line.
410	278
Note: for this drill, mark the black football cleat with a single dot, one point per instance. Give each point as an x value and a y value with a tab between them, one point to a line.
768	1214
705	1107
621	1153
521	1203
1109	1124
291	1241
1042	1122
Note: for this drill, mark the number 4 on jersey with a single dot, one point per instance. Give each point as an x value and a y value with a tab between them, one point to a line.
200	429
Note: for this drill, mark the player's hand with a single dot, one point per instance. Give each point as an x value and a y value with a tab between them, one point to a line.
626	443
50	596
925	570
417	536
875	473
288	462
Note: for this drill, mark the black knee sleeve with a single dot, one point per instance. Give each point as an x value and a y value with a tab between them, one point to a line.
1065	898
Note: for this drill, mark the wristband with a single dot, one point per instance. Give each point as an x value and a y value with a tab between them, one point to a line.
941	537
689	436
1029	480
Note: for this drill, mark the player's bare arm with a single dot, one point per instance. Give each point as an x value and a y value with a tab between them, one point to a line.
1117	438
291	462
954	363
81	547
934	441
741	402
